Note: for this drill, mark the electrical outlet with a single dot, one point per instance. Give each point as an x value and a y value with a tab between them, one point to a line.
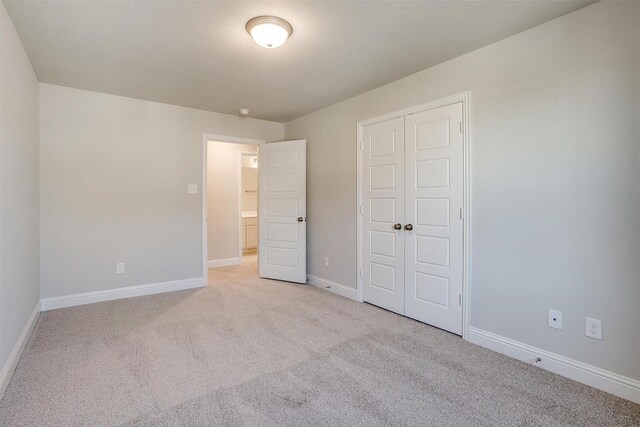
192	189
594	328
555	319
120	268
326	261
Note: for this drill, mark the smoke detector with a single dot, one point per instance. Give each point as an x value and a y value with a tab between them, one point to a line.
243	111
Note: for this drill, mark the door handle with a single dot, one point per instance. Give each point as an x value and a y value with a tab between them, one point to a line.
300	219
408	227
397	227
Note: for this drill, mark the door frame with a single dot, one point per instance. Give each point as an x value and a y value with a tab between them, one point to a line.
464	98
208	137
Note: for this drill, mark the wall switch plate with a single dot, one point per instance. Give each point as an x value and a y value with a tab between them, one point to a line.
594	328
326	261
192	188
555	319
120	268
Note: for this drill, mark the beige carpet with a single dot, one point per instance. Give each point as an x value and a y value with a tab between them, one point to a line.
246	351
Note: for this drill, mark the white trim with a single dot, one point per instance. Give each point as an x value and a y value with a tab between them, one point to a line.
119	293
359	212
216	263
10	366
466	241
333	287
464	98
205	216
232	139
436	103
241	220
625	387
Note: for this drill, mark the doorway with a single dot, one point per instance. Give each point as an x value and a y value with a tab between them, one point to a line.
228	216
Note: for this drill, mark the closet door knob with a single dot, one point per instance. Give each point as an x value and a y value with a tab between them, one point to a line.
397	227
408	227
300	219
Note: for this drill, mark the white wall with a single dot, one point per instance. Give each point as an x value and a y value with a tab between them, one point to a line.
555	180
114	176
19	211
223	196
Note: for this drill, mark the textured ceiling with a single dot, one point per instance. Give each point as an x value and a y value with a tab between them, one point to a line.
198	54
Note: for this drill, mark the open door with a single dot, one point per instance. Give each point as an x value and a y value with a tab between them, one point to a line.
282	205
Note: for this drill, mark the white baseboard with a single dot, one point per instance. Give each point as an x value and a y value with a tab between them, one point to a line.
215	263
333	287
625	387
119	293
10	366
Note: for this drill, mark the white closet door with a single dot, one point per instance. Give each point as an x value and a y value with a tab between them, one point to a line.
383	212
434	195
282	200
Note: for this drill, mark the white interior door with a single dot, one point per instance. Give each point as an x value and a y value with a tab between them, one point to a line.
282	206
383	214
434	202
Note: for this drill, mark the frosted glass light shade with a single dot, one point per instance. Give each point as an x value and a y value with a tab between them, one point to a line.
269	31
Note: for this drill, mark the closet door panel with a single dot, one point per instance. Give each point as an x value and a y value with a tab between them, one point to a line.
383	183
434	197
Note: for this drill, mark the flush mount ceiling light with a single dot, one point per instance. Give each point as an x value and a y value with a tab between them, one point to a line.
269	31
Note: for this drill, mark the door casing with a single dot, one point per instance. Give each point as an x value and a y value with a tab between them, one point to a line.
464	98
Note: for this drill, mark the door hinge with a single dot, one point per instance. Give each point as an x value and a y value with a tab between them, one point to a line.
461	128
361	145
459	299
361	210
361	274
461	213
